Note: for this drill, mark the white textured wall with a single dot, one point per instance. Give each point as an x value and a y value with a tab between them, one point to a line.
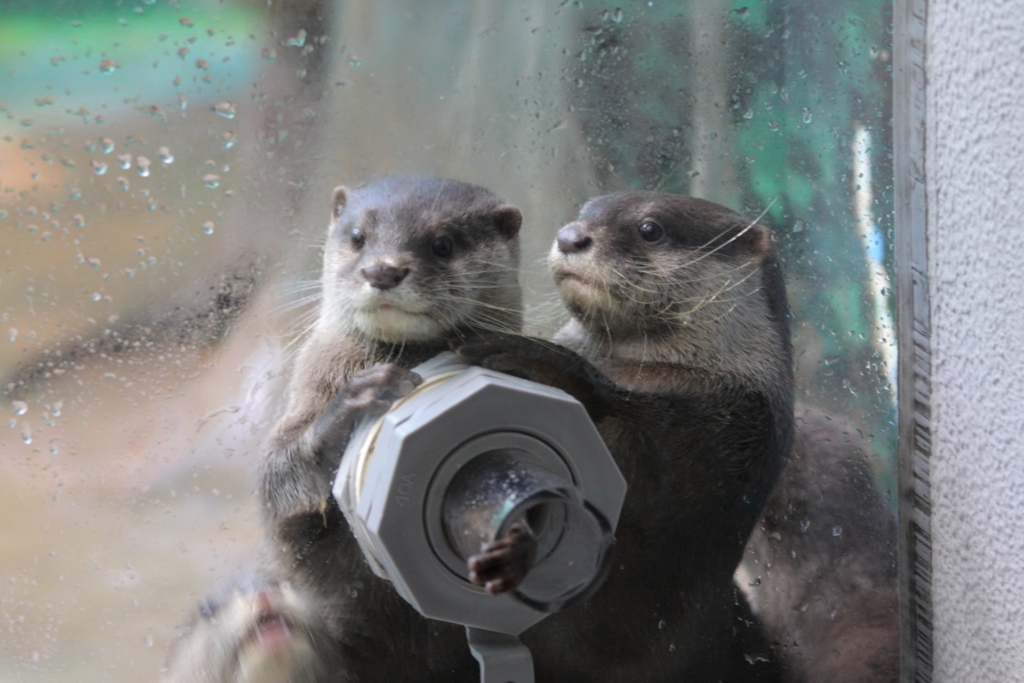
975	169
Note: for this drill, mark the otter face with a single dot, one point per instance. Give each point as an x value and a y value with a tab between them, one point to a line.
251	633
636	264
411	258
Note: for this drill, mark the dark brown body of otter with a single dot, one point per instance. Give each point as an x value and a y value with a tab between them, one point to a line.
412	265
680	352
820	569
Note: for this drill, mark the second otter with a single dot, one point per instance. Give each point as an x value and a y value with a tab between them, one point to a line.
411	265
680	320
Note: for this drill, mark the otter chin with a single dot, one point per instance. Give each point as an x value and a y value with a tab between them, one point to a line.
583	297
395	323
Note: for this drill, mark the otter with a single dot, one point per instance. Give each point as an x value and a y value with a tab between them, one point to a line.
252	630
411	266
820	567
678	347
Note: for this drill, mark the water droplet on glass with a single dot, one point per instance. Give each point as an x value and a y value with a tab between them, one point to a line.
182	51
143	164
109	66
211	180
229	139
3	215
208	227
96	296
805	525
98	167
748	114
57	407
153	110
269	54
67	162
202	64
124	160
149	641
123	182
53	448
837	531
617	15
773	126
225	109
79	220
95	263
19	407
187	22
165	155
106	145
807	115
353	60
26	434
661	625
12	334
299	40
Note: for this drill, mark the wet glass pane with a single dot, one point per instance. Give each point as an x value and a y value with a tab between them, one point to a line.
166	173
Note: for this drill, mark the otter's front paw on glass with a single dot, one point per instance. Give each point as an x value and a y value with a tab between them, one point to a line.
368	392
376	388
503	564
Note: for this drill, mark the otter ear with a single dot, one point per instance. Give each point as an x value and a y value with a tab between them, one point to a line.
339	201
756	240
508	220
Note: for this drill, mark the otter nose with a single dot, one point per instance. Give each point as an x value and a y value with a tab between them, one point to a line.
571	239
383	276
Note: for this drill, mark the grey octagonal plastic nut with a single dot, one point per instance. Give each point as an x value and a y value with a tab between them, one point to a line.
534	451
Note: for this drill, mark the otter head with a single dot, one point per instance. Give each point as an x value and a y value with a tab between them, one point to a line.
410	259
252	631
674	272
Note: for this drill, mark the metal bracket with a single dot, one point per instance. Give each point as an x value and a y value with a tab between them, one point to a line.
503	658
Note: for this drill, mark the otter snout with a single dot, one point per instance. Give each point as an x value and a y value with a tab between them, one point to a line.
384	276
571	239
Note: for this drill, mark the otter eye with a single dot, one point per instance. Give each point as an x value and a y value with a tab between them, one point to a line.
358	238
651	231
443	246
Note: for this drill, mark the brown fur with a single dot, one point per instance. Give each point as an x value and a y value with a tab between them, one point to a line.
685	367
338	377
820	566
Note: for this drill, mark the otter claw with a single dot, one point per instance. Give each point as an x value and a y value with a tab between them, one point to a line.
503	564
368	392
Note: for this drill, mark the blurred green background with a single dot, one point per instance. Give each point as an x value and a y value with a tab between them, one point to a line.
165	173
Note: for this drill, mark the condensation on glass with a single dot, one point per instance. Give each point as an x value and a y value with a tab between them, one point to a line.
165	176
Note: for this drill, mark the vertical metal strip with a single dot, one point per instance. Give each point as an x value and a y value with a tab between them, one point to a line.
914	334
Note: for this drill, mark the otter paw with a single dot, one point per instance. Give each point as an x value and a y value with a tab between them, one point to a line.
368	392
517	355
503	564
378	387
